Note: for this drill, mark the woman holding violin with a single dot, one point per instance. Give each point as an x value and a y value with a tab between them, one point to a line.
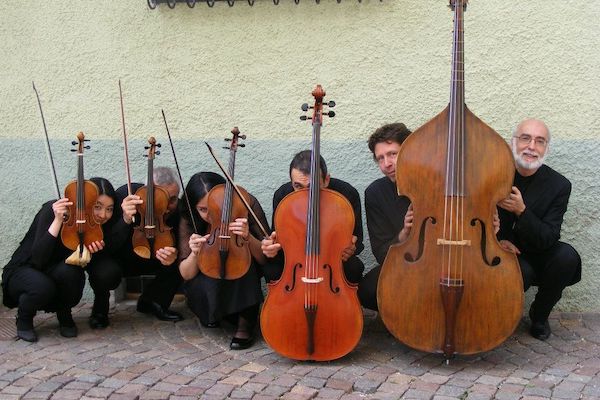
38	278
212	299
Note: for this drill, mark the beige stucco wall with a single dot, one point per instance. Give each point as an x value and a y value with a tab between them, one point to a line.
213	68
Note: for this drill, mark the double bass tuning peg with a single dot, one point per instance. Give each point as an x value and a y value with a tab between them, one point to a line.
305	107
331	104
330	114
304	118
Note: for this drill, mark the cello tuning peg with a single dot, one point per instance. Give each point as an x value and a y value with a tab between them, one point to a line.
241	145
73	150
145	155
157	153
331	114
243	137
304	118
331	103
146	147
304	107
86	140
227	148
228	139
86	147
158	145
73	143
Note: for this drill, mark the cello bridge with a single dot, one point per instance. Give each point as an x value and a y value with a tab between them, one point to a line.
312	280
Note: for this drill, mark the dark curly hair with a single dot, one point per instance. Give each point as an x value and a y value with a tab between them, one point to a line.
396	132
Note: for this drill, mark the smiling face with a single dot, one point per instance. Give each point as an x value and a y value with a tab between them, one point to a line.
530	145
103	209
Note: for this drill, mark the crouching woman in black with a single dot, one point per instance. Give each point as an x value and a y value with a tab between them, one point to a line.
215	299
37	277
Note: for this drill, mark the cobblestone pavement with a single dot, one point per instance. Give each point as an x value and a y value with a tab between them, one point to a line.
138	357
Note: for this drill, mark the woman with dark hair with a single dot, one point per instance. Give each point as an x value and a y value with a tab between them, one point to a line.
38	278
215	299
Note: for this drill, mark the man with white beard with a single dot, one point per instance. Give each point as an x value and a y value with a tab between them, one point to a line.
530	222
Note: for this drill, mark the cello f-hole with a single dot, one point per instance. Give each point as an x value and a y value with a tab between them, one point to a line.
409	257
483	244
333	289
289	288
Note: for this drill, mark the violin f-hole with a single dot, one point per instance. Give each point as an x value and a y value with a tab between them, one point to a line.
483	244
409	257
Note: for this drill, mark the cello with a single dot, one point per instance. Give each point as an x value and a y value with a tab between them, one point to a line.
224	256
152	233
312	312
80	229
450	288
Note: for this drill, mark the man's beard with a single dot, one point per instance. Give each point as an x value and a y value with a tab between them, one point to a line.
533	165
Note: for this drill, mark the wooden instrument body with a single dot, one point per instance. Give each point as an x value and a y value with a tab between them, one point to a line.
409	296
90	229
338	320
152	233
223	248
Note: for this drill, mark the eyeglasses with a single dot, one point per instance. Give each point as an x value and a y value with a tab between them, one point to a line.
526	139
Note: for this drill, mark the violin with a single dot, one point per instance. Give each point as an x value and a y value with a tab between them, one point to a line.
81	228
152	233
226	256
450	288
312	312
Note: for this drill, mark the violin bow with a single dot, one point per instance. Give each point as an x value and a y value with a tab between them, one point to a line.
48	150
187	200
262	229
125	149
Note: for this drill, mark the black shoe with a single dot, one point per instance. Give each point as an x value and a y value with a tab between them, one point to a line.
164	314
210	325
540	330
66	325
98	321
241	343
25	330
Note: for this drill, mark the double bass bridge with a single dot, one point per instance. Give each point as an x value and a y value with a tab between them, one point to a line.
446	242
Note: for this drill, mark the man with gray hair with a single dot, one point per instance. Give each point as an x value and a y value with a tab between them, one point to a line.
157	295
530	222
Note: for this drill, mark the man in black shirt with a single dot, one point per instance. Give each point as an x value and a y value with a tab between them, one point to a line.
300	179
389	216
156	296
530	223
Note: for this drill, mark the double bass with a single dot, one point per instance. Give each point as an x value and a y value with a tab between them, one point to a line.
226	256
450	288
152	233
312	312
80	229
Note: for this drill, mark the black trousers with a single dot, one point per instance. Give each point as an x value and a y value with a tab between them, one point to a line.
163	287
551	271
367	289
353	270
104	275
60	287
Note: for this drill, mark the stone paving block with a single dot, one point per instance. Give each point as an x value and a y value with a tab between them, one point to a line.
502	395
235	380
340	384
121	396
565	394
68	394
36	395
489	380
219	389
329	393
154	395
99	392
364	385
274	390
537	391
253	367
434	378
452	391
14	390
166	387
312	382
132	388
388	387
417	394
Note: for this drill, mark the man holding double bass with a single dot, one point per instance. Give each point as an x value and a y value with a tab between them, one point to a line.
530	222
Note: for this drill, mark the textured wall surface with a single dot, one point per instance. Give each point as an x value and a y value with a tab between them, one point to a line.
213	68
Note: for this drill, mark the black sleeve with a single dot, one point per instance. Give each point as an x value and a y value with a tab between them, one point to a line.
538	233
44	244
381	232
354	199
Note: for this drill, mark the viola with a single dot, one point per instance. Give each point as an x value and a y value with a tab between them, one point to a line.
81	228
152	233
450	288
224	255
311	312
